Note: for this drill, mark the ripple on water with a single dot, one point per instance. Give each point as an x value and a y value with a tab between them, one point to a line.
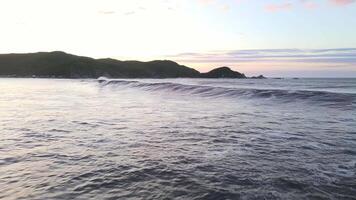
175	141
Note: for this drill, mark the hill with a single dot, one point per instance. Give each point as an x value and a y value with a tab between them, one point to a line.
222	72
62	65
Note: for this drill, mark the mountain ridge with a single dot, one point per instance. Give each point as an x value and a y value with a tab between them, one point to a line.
59	64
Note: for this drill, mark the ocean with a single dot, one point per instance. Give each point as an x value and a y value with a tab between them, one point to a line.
178	139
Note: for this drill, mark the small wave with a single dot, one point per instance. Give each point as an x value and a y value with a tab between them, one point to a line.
320	97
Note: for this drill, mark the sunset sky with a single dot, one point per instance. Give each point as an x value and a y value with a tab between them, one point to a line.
271	37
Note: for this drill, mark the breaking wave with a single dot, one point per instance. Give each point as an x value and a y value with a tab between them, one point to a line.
345	100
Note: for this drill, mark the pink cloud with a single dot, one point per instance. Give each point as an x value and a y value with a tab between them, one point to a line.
309	5
278	7
342	2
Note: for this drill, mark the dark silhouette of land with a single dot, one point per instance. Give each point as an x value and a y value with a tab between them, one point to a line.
222	72
62	65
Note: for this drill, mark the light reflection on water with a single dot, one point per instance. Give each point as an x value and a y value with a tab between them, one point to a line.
64	139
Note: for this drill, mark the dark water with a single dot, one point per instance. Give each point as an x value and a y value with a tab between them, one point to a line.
178	139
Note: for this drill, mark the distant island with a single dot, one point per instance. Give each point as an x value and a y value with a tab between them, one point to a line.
59	64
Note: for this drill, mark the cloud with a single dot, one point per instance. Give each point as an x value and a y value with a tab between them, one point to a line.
107	12
309	4
130	13
282	6
342	2
277	62
278	7
342	55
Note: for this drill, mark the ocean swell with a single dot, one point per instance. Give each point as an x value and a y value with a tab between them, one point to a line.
330	99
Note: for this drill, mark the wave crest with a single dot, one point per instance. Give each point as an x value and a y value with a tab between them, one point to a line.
319	97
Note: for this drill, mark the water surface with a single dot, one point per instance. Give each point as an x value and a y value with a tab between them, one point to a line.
178	138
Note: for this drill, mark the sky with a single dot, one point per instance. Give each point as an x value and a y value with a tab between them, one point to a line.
304	38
